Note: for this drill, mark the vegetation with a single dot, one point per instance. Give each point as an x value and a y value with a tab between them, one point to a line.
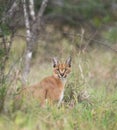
87	33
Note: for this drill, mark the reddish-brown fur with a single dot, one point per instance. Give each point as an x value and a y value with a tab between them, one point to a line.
52	87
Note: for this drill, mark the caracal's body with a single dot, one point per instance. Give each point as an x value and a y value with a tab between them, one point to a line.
51	88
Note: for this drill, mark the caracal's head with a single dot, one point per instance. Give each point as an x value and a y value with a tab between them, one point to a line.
61	70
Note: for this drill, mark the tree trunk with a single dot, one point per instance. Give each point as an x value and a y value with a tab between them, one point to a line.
32	32
28	51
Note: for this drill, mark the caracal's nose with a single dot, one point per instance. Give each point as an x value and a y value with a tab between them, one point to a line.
62	74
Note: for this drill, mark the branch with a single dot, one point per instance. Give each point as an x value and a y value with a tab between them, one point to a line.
42	8
31	7
41	11
37	23
11	11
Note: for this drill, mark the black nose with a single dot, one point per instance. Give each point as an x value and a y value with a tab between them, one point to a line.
62	74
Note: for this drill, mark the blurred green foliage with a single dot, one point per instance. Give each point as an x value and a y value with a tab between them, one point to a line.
4	28
111	35
75	10
97	11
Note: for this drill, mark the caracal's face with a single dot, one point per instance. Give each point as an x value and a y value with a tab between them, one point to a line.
61	70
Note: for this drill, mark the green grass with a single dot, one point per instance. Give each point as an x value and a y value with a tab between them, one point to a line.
101	115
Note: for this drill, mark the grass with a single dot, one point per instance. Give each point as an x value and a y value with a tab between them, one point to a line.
93	74
101	115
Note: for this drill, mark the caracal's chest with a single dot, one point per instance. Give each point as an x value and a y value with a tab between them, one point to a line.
61	98
62	92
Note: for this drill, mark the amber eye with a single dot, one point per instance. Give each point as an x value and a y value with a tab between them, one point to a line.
67	71
57	70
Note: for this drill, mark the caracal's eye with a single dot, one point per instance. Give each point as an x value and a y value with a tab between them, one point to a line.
57	70
67	70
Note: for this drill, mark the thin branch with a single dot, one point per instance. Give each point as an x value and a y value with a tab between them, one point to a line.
42	9
40	14
37	23
13	8
31	7
11	11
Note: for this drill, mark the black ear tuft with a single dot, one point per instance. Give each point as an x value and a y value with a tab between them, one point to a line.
68	61
55	62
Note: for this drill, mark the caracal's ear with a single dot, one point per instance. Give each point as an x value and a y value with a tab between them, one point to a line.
68	61
55	62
